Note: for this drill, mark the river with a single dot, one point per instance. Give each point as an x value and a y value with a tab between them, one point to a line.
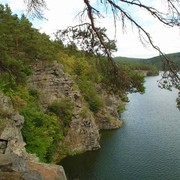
147	147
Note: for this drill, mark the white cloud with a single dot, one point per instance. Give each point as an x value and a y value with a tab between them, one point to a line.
60	14
166	38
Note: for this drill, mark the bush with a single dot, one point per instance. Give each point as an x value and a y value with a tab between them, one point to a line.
63	109
33	92
40	132
90	95
95	104
121	108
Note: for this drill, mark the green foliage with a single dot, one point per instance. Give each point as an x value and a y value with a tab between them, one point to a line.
6	82
95	104
16	69
91	96
81	67
63	109
121	108
153	65
124	98
21	44
40	132
121	79
33	92
86	38
136	82
20	47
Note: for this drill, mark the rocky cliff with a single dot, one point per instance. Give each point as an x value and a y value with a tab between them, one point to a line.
15	162
108	117
53	84
82	133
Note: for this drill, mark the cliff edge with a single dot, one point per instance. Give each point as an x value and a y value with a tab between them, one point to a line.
15	162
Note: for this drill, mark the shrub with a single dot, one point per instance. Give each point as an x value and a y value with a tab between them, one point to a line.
40	132
63	109
95	104
90	95
121	108
33	92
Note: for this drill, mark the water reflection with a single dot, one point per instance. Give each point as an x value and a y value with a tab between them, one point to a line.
146	148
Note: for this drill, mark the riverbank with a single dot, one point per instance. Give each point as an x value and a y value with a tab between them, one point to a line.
147	147
21	119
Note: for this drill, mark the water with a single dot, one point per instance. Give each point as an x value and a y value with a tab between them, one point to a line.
146	148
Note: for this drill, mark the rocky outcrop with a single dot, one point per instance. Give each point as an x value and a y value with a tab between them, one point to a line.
15	167
53	84
50	81
83	135
48	171
14	160
11	140
83	131
108	117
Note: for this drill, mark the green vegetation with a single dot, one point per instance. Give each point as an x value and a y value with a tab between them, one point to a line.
91	95
121	108
40	132
138	65
152	65
21	46
63	109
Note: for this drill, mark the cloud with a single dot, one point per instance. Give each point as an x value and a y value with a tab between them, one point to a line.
167	39
61	14
128	43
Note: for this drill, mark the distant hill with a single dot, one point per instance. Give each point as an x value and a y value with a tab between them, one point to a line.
155	61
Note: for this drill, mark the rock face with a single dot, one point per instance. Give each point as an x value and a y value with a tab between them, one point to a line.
54	84
83	131
48	171
11	140
14	160
108	118
50	81
83	135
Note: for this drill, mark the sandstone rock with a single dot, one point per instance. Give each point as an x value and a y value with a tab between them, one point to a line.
108	117
11	176
17	119
13	157
47	171
32	175
3	146
13	137
6	107
83	135
105	124
12	163
15	168
53	83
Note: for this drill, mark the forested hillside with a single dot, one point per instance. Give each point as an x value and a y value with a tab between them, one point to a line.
22	50
152	64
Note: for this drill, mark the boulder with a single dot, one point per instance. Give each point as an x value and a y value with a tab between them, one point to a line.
48	171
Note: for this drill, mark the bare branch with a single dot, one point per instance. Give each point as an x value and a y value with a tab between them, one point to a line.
36	7
99	41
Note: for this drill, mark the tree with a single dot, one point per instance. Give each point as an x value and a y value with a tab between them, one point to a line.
119	9
20	45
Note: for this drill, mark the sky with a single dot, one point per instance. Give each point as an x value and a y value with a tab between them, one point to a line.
61	14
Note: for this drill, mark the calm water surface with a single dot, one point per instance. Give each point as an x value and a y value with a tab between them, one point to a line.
146	148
